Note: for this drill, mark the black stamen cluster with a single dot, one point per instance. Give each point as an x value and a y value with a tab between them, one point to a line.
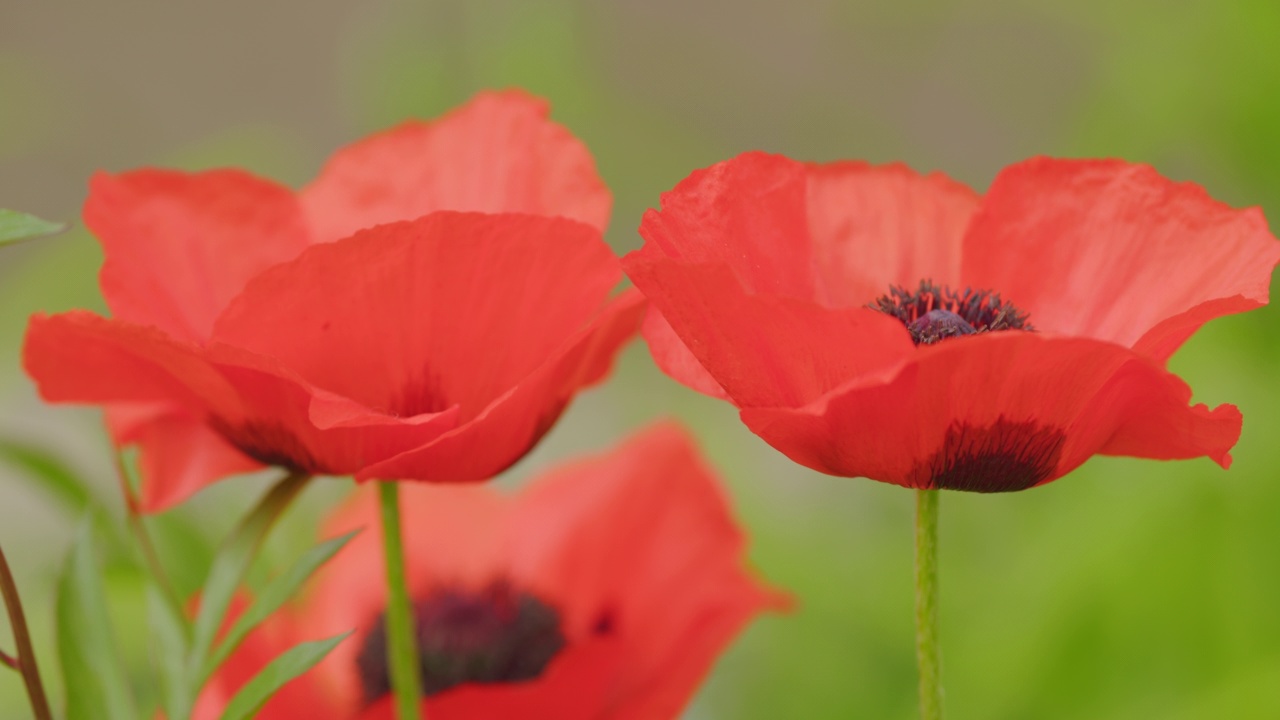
493	635
931	311
1002	457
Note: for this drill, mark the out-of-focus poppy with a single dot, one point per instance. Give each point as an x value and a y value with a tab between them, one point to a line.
245	331
603	590
870	321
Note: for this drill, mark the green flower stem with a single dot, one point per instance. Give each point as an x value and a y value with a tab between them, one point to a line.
26	656
142	537
402	649
928	653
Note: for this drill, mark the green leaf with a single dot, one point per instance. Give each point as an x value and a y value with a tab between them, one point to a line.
292	663
169	650
62	483
232	562
16	227
277	592
95	678
55	476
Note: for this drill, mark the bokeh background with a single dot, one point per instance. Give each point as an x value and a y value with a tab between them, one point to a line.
1129	589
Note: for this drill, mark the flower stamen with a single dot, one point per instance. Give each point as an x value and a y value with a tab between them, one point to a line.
933	313
495	635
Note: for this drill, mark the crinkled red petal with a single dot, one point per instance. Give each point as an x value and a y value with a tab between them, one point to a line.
872	226
259	407
673	357
641	541
498	153
503	432
575	686
636	548
1112	250
450	309
763	350
838	234
999	412
178	246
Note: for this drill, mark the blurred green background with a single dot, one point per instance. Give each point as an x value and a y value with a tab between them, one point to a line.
1129	589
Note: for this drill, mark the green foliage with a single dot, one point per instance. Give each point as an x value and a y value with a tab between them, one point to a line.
168	643
96	681
292	663
273	596
64	485
232	562
16	227
230	565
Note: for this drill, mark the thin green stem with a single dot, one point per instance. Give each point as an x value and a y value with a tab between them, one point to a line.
26	655
402	649
928	651
138	527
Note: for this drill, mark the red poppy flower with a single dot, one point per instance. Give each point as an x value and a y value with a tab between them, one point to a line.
603	590
869	321
244	331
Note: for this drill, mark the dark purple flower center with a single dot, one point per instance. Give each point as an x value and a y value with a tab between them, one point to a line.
270	443
495	635
1004	456
933	313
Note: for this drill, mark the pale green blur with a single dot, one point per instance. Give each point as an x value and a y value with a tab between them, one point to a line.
1130	589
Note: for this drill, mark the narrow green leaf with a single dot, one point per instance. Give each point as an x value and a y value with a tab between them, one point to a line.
184	549
277	592
289	665
95	678
231	563
55	476
169	651
16	227
62	483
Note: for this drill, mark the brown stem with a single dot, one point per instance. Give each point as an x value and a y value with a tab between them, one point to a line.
26	658
10	661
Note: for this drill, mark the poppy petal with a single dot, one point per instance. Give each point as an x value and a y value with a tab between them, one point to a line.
635	549
179	246
1112	250
178	454
776	350
259	407
498	153
279	428
747	214
999	412
873	226
451	535
575	686
450	309
645	533
80	357
503	432
671	355
839	234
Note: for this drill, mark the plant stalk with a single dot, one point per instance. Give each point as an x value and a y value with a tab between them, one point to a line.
402	650
25	654
137	525
928	651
